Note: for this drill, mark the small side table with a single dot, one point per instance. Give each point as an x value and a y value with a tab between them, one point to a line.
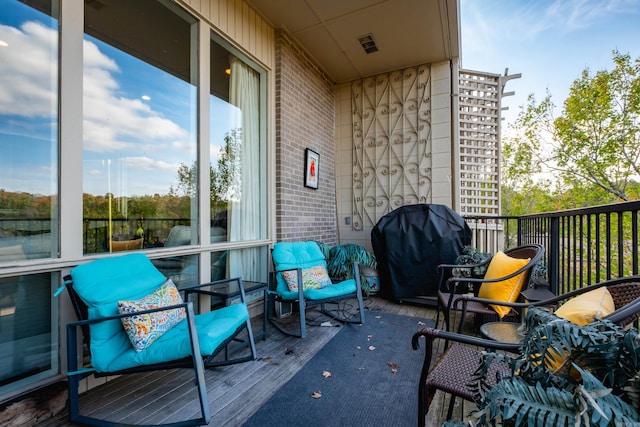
229	294
539	291
507	332
227	291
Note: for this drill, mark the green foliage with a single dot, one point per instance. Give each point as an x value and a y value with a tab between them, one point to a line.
340	261
593	146
594	382
471	256
224	177
24	205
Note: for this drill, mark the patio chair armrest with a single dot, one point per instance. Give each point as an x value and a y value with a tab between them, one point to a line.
184	305
431	334
465	299
626	314
452	266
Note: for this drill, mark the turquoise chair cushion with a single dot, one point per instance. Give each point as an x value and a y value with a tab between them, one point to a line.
102	283
214	328
291	255
338	289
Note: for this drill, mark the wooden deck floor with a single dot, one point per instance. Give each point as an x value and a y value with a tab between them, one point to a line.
235	392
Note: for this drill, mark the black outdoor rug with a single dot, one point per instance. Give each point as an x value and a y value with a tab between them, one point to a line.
374	379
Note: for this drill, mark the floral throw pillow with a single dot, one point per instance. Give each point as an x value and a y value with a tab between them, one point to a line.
144	329
315	277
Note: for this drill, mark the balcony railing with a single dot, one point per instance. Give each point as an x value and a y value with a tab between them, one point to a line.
155	231
583	246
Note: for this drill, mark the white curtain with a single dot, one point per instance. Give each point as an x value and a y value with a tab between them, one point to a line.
245	210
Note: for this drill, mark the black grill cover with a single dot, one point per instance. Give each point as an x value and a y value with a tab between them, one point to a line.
410	242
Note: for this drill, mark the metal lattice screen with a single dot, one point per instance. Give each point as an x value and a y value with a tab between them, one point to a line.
479	100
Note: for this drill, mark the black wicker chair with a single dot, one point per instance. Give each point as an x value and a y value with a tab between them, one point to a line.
451	297
453	371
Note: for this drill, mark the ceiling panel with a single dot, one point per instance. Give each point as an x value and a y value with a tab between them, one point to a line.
407	32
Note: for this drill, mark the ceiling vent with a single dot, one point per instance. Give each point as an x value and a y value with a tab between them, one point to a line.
368	43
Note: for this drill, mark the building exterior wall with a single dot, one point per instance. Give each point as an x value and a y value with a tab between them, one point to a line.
305	103
240	24
426	142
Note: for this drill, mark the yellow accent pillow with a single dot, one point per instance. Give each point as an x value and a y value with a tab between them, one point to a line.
507	290
582	309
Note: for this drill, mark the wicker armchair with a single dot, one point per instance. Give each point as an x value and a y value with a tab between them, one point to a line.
451	298
453	371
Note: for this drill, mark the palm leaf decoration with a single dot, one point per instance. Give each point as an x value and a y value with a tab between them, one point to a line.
340	261
566	375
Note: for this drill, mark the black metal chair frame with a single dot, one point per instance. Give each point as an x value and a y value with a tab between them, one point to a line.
196	362
451	298
453	370
304	303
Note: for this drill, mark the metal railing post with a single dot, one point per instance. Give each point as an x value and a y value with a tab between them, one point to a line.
553	255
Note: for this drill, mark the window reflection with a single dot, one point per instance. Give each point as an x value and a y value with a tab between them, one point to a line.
28	340
238	157
139	124
28	130
183	270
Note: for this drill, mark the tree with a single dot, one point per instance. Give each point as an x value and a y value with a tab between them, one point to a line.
224	177
594	143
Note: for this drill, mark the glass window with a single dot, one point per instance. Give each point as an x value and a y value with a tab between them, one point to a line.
182	270
28	129
238	159
28	335
139	125
237	148
232	263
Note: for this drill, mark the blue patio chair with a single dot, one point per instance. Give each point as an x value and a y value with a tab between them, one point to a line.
115	299
304	263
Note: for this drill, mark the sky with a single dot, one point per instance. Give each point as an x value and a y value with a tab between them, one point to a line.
549	42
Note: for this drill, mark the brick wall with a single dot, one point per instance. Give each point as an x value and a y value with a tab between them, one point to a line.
305	118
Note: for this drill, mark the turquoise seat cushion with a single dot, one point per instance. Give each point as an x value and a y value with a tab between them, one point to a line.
102	283
291	255
214	328
338	289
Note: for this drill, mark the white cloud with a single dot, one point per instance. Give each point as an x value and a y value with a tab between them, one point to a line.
116	125
487	25
28	70
113	122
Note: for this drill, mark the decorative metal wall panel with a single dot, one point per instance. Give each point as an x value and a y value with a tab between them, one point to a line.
391	117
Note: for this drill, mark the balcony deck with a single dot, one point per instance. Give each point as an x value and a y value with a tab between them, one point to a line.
236	391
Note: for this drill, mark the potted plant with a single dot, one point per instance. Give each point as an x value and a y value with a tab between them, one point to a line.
566	375
340	261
